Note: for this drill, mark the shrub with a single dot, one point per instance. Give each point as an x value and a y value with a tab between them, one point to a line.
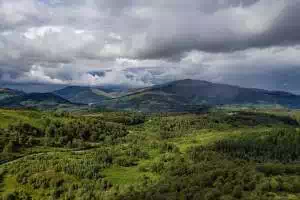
10	196
212	194
124	161
237	192
169	147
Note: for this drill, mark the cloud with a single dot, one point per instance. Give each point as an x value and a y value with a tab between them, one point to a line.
67	74
232	28
137	42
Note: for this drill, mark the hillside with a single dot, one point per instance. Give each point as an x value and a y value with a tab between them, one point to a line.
220	155
175	96
6	93
84	95
42	100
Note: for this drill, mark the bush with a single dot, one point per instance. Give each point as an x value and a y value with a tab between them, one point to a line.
135	152
104	156
39	181
169	147
25	129
125	161
275	186
10	196
212	194
157	167
237	192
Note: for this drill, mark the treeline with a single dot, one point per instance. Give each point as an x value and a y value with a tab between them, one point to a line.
176	126
281	145
274	169
243	118
125	118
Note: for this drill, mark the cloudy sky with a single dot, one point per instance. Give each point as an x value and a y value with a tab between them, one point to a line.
252	43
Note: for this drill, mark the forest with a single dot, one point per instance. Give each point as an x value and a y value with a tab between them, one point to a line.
219	154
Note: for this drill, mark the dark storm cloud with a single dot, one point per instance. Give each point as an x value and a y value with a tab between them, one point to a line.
254	24
165	29
141	42
285	29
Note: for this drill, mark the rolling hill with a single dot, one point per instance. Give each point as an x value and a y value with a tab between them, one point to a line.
6	93
37	100
183	94
84	95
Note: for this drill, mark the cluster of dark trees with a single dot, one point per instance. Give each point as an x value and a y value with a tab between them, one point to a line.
281	145
18	136
73	133
86	130
169	128
243	118
174	126
274	169
126	118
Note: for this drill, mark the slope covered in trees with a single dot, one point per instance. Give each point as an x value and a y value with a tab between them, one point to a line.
125	155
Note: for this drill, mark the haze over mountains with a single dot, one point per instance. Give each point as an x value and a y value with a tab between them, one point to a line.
174	96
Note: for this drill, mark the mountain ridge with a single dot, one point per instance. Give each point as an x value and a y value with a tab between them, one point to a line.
172	96
207	82
7	92
82	94
34	100
189	92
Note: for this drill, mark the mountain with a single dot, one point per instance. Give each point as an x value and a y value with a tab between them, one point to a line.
38	100
6	93
179	96
183	94
84	95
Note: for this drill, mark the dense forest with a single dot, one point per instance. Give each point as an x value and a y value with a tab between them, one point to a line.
220	154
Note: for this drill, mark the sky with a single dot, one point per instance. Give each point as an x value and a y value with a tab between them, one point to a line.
137	43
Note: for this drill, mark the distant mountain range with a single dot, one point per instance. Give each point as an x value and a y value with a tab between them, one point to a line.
174	96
